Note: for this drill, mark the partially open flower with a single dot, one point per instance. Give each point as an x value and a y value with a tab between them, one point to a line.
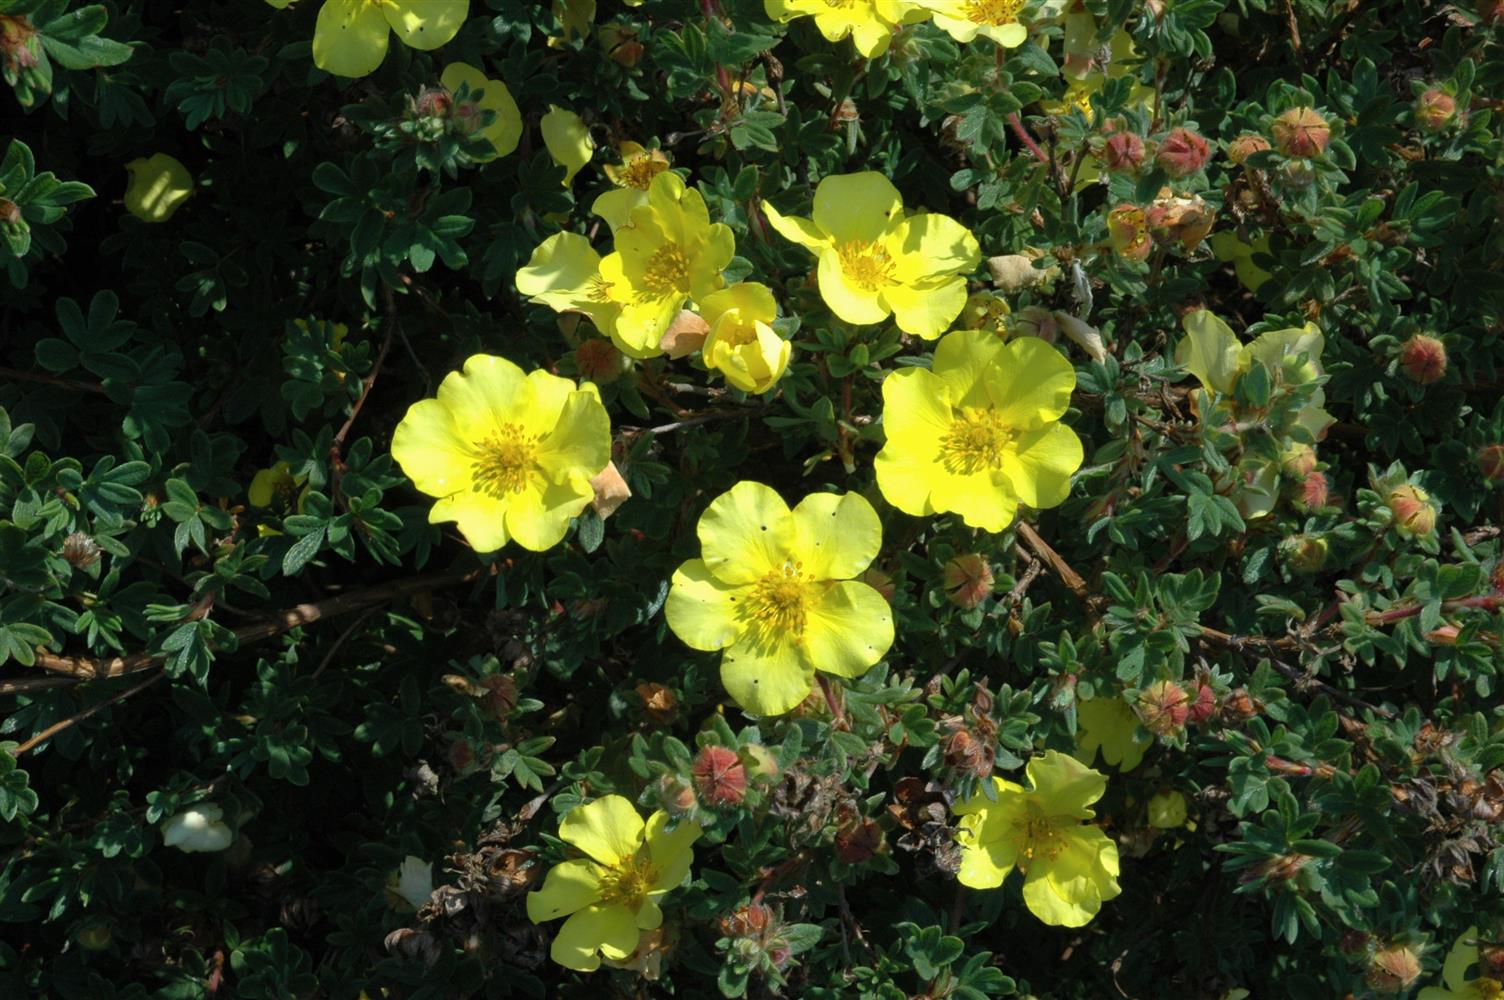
1435	109
1128	232
1301	132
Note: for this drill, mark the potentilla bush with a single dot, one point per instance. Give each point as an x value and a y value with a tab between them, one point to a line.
811	498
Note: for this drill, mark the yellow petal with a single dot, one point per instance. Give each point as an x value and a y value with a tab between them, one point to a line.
480	517
432	450
580	438
848	629
836	536
569	886
983	500
903	480
349	38
609	930
929	245
752	300
1064	786
916	408
768	679
616	206
746	533
848	300
1040	463
927	311
796	229
159	184
560	272
1463	956
1210	351
670	850
538	517
567	139
966	359
1109	725
483	395
426	24
700	609
858	206
608	829
1031	384
985	866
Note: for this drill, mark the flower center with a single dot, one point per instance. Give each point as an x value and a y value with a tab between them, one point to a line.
993	11
628	882
977	440
866	264
668	271
598	289
506	461
779	601
1487	989
639	172
841	4
1038	834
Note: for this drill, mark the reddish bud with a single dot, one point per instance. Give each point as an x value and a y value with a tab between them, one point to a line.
600	361
1435	109
433	102
1241	705
751	920
719	776
10	212
880	582
1313	492
967	580
1301	132
1123	153
1203	706
1412	510
659	703
1444	635
1182	153
1424	359
1491	462
1164	707
675	797
1244	146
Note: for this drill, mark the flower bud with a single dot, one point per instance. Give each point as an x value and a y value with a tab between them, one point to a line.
1312	493
1123	153
600	361
1393	968
1490	462
1302	133
1203	705
1182	153
1163	707
1304	553
986	311
674	796
1128	232
1444	635
747	921
433	102
1423	358
620	43
759	761
10	212
967	580
1435	109
1298	174
1298	461
719	777
1241	705
1167	810
1413	511
879	581
1244	146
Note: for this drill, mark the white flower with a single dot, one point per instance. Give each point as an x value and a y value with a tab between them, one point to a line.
197	828
413	882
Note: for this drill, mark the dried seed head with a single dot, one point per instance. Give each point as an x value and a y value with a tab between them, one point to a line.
80	550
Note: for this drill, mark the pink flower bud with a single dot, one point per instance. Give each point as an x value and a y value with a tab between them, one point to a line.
1435	110
1412	509
1301	132
1123	153
1491	462
719	776
1164	707
967	580
1244	146
1203	706
1424	359
433	102
1313	492
1182	153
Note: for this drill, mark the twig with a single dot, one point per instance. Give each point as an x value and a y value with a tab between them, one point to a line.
15	374
1024	137
58	727
695	421
84	668
1027	580
343	636
1068	576
25	685
832	699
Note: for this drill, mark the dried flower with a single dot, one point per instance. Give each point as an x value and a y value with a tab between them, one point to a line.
658	702
1128	232
80	550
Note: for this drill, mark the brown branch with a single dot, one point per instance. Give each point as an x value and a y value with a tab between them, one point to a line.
1024	137
1068	576
83	668
77	717
16	375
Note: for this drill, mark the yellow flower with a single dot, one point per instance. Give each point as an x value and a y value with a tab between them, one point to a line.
741	345
159	185
277	488
508	455
567	139
505	130
564	273
980	433
1109	725
1167	810
351	36
1226	246
870	23
612	893
1070	868
875	261
632	179
774	589
964	20
1464	954
668	254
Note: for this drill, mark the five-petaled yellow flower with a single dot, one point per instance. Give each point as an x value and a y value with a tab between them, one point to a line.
505	130
1464	955
741	345
612	893
564	273
350	37
964	20
1109	725
980	433
875	261
508	455
668	254
774	589
567	139
1070	867
632	179
278	488
870	23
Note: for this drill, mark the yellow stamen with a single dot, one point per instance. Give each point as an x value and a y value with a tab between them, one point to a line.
1039	834
507	460
997	12
866	264
667	272
778	603
639	171
977	440
628	882
599	289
